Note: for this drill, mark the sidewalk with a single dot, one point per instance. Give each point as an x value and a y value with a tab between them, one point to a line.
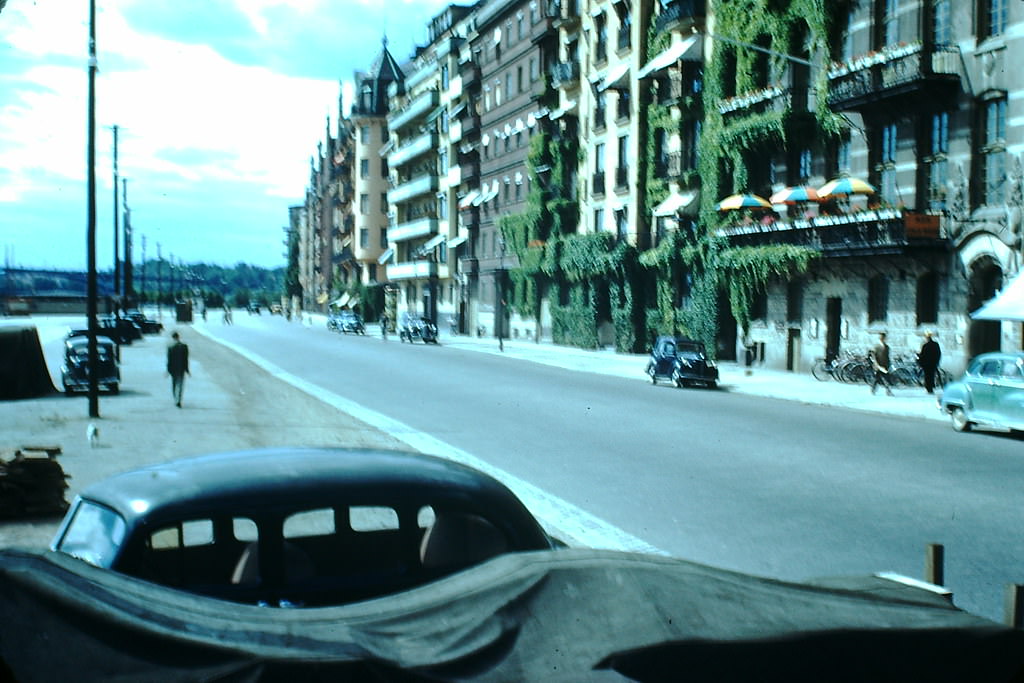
757	381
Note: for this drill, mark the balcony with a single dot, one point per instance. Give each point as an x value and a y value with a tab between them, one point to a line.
597	183
417	109
469	71
414	188
454	175
905	70
416	148
404	232
867	233
469	265
412	270
470	170
565	74
680	15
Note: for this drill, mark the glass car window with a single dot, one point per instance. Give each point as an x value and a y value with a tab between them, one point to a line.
1012	370
244	529
94	534
425	517
372	518
309	523
990	368
194	532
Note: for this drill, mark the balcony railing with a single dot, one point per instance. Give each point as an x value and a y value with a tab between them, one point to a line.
856	234
411	270
904	69
411	230
597	186
418	108
565	74
565	12
470	72
413	188
416	148
680	15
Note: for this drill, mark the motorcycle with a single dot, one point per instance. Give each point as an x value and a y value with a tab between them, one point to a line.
418	329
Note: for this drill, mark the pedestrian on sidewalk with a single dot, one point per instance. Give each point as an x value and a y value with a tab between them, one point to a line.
928	358
177	366
880	361
384	326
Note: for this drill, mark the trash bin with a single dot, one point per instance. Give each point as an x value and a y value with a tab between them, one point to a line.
184	311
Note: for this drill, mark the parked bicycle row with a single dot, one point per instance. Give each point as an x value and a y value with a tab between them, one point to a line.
853	368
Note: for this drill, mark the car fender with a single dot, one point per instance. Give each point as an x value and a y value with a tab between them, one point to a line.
957	394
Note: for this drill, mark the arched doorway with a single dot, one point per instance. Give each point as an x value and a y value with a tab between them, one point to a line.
985	280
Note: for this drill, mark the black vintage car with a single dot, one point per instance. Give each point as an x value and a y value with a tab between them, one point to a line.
413	328
121	330
681	361
74	372
147	325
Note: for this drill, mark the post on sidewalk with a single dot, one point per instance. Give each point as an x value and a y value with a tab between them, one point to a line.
1014	605
934	561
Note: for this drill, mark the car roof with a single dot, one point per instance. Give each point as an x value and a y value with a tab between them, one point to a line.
80	338
247	482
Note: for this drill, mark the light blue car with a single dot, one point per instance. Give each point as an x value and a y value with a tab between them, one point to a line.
990	394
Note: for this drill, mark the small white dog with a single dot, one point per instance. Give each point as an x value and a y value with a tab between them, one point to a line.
92	433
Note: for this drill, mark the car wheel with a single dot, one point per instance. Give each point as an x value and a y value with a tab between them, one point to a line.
651	373
677	380
115	389
712	384
959	419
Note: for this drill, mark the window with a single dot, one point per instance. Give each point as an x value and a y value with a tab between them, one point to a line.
805	168
885	166
622	105
497	93
935	161
878	298
383	238
795	301
759	305
520	85
622	223
599	111
383	168
992	151
691	144
890	24
364	204
508	85
533	69
444	121
521	24
601	38
383	202
384	134
942	27
599	157
442	207
598	220
992	21
444	77
927	299
442	161
364	134
624	38
364	168
364	237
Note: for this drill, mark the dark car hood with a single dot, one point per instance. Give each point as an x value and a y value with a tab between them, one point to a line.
566	615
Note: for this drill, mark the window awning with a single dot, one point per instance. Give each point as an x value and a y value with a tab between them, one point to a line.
481	196
342	300
457	109
386	149
456	241
386	256
433	242
467	201
684	49
617	77
437	112
675	203
562	111
1007	304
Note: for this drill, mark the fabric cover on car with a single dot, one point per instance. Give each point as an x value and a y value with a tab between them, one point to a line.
23	372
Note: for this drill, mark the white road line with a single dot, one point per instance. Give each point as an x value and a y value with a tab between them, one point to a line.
562	519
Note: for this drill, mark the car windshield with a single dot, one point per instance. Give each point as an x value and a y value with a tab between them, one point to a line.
93	533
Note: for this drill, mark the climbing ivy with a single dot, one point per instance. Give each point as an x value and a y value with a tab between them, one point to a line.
748	270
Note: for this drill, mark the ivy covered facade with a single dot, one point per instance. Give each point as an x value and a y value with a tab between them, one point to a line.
585	210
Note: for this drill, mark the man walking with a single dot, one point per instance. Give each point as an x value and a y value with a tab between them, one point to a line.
928	358
880	361
177	366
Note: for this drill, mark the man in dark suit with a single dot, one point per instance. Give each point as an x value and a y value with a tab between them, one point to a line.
928	358
177	366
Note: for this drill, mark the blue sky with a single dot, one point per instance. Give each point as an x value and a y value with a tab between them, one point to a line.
220	104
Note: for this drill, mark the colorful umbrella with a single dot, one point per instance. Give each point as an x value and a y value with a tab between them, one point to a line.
743	201
844	186
795	195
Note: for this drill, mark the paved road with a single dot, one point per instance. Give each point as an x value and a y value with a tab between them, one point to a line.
765	486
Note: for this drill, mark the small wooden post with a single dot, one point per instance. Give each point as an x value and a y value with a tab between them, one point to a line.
1014	605
934	559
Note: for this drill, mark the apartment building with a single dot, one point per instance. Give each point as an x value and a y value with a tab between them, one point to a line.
369	169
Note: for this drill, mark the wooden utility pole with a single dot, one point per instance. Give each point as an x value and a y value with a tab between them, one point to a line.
94	391
117	229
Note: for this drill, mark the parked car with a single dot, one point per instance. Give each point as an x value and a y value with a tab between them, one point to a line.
121	330
147	325
286	527
349	321
990	393
681	361
253	308
74	371
413	328
332	322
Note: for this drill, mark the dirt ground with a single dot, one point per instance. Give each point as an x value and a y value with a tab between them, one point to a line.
229	404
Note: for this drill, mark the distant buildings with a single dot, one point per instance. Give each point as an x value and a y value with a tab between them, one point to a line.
553	170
